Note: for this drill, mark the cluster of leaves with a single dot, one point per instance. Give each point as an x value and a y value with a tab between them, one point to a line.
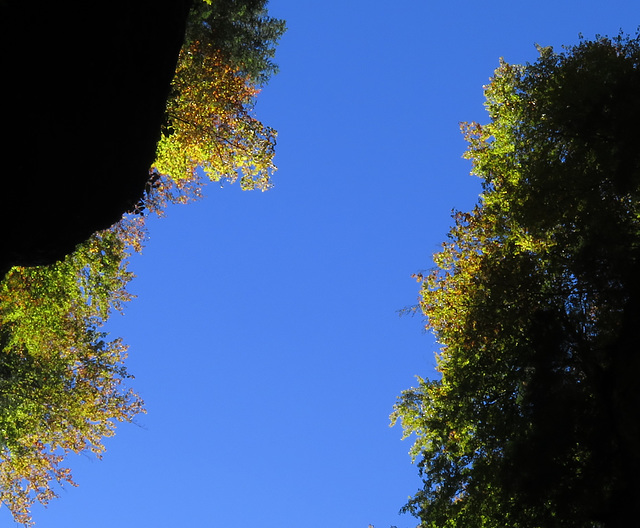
242	31
210	127
62	382
535	300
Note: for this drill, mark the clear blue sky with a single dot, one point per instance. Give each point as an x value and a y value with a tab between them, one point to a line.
265	338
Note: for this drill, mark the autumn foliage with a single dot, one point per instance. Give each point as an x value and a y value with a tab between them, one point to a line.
210	126
63	381
535	301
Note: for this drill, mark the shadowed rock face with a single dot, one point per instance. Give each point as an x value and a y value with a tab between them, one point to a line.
83	88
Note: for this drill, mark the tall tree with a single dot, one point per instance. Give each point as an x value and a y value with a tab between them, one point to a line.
535	300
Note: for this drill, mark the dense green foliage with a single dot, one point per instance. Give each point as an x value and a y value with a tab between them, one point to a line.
242	31
62	380
535	300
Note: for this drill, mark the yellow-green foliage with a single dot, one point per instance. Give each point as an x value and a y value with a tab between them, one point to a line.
211	126
61	380
535	301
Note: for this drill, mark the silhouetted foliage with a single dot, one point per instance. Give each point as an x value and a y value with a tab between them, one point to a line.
535	300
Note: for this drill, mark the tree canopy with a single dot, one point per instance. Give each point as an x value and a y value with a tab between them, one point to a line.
63	381
535	300
228	52
210	127
241	31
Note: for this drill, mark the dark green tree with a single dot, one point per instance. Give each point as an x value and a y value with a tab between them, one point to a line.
535	300
242	31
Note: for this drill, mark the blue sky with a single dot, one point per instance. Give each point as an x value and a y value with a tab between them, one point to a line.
265	338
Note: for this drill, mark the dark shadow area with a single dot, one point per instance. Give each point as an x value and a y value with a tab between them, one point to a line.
84	88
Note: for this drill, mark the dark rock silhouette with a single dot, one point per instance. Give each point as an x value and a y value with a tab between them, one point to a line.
83	92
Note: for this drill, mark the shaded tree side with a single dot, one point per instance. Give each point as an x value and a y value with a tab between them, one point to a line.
84	90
